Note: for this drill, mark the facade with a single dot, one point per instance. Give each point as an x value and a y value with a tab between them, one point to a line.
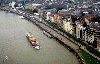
68	27
29	6
98	44
89	35
84	31
88	18
47	17
32	6
56	18
78	30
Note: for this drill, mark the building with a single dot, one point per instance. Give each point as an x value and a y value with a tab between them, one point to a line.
67	26
98	44
56	18
32	6
88	17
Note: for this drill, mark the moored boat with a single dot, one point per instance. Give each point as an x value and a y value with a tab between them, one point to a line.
47	34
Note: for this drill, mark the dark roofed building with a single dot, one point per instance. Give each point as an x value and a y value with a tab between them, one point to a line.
89	16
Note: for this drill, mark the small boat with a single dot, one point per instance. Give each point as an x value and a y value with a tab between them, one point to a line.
33	41
47	34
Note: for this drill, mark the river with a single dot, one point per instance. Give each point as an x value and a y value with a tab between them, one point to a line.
16	49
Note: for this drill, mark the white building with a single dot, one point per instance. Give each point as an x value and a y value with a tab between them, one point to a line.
13	4
89	35
78	29
68	27
47	17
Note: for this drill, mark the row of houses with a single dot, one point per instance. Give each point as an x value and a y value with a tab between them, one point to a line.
85	26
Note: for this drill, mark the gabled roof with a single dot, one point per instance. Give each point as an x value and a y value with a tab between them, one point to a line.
89	16
96	19
55	14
